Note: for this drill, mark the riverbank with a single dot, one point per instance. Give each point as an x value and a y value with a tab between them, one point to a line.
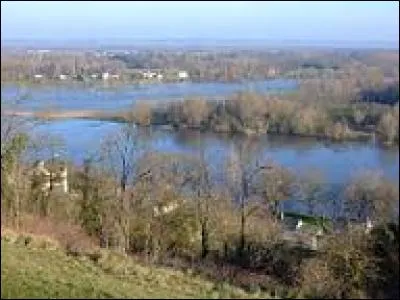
124	82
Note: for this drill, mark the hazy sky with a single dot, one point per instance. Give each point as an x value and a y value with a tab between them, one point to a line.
302	20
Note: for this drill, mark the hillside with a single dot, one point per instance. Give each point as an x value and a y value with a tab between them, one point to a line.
32	268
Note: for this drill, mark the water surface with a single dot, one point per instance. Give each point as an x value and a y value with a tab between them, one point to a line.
337	161
79	97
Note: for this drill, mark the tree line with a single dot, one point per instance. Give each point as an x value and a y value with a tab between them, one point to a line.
205	65
336	109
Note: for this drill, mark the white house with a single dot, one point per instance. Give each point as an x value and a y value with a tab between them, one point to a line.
272	71
149	74
183	75
160	76
368	225
63	76
105	75
115	76
299	224
38	76
93	76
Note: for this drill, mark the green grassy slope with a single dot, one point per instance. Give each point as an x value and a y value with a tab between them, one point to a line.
34	272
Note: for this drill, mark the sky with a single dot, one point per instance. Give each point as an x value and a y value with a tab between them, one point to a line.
357	21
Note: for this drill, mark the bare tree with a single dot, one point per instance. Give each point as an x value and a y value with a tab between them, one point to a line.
242	169
371	196
119	152
204	197
14	141
311	190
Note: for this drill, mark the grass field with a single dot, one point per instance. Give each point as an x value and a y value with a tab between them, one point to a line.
31	269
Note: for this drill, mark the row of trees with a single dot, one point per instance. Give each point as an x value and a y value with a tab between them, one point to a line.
23	66
296	114
225	65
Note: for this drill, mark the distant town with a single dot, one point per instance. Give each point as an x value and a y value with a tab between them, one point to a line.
149	74
138	65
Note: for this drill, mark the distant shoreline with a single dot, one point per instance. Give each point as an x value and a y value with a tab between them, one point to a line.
193	43
56	114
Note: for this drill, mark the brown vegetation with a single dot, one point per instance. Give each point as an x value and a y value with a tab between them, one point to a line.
229	235
167	209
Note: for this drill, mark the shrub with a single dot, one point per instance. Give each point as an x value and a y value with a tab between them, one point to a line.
354	264
388	126
142	113
309	121
195	112
250	109
343	269
370	195
339	131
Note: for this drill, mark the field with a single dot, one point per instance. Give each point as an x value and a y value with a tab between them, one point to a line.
42	270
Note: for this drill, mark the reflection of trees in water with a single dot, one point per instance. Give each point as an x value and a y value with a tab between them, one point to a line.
267	142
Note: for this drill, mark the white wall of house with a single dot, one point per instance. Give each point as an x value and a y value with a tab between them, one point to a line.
149	74
183	74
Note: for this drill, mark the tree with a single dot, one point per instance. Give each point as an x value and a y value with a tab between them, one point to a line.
371	196
11	152
163	182
242	168
388	126
119	152
195	112
311	188
14	141
204	197
142	113
118	155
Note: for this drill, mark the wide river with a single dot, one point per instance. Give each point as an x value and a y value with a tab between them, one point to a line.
337	162
101	97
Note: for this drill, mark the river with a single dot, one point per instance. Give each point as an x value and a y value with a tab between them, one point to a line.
337	162
106	98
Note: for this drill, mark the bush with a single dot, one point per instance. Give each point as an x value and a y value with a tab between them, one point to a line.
370	195
339	131
384	246
388	126
195	112
250	109
309	121
343	269
354	265
142	113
